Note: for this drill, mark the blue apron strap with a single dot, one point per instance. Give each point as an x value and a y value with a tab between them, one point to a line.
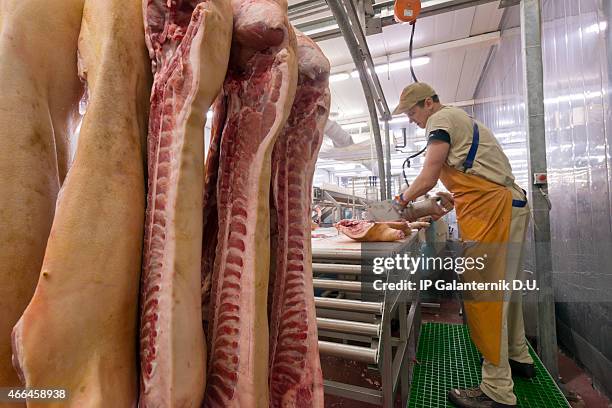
520	203
469	160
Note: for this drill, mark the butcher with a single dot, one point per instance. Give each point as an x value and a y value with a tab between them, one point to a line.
492	211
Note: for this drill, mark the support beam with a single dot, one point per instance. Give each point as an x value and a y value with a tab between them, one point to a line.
607	12
359	55
434	7
531	38
324	28
388	158
378	92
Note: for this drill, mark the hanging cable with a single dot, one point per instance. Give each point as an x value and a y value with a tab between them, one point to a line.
410	51
406	164
545	197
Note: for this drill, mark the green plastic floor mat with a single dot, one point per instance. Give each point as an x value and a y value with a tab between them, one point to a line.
448	359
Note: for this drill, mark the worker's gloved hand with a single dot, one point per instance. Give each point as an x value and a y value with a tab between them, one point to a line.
447	202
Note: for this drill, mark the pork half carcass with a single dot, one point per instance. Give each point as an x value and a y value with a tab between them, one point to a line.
79	332
295	369
370	231
256	100
189	43
39	95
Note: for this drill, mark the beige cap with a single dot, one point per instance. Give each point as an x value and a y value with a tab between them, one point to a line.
412	94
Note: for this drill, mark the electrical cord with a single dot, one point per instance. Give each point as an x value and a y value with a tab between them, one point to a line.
410	52
406	164
545	197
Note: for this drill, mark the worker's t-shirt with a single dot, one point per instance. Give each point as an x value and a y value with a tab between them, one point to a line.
490	163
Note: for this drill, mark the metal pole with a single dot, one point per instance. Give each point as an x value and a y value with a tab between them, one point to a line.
349	36
353	180
607	11
531	37
388	158
359	32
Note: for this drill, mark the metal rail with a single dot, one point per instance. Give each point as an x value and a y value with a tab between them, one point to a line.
351	286
348	304
360	330
349	352
320	253
336	268
381	102
346	326
344	14
339	389
388	156
430	8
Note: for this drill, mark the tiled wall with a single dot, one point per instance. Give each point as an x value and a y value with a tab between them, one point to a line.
577	51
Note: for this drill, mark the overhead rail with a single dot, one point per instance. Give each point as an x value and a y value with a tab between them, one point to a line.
347	19
325	27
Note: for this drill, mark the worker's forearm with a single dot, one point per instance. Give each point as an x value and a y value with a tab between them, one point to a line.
418	188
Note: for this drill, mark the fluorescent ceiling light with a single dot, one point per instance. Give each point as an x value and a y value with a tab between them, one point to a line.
339	166
341	76
396	121
396	66
347	113
357	125
321	29
597	27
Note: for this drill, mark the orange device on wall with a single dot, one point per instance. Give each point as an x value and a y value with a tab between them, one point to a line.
406	11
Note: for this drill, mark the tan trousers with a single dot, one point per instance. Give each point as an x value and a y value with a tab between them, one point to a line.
497	380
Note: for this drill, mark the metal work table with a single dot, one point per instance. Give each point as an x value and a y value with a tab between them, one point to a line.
354	328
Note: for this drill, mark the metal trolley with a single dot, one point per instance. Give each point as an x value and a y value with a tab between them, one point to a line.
353	328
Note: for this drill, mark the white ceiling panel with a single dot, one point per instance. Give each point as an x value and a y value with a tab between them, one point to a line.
336	51
474	62
451	64
451	40
454	25
487	18
395	83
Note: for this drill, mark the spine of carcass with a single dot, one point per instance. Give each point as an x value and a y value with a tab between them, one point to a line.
79	331
258	91
295	369
190	49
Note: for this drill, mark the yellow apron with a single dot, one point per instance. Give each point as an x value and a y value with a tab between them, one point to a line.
484	211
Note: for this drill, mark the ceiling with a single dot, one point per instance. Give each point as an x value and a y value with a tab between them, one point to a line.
457	44
453	41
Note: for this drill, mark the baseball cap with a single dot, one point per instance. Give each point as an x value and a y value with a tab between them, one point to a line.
412	94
